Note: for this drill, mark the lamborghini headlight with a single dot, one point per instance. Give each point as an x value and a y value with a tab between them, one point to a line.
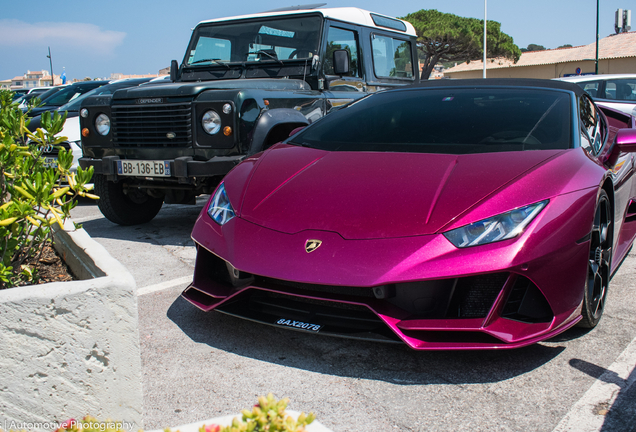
220	209
501	227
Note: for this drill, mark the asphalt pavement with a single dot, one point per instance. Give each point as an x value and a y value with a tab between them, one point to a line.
202	365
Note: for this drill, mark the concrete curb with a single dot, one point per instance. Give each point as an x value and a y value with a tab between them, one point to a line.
227	420
72	348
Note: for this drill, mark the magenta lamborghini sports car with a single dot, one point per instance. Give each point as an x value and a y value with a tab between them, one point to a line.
472	214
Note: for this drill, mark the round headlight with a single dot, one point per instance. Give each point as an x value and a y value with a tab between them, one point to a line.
211	122
84	112
102	124
227	108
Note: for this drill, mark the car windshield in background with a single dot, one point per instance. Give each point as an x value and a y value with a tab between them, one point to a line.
448	120
263	40
42	96
66	95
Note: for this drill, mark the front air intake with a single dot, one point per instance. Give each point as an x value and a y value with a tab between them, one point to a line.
526	303
474	295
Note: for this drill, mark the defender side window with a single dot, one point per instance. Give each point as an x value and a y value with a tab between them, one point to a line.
391	57
342	39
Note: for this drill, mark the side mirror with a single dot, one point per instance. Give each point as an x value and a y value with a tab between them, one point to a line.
174	69
341	62
626	140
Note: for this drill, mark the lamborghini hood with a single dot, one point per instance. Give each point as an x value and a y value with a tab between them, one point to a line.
363	195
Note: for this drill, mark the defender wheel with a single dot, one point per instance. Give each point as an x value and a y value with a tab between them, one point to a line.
598	269
132	208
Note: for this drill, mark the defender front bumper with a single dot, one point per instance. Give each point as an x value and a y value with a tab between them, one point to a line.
181	168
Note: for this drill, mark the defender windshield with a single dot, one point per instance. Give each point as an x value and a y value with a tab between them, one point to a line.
268	40
449	120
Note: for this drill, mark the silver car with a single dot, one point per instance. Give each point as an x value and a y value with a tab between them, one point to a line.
617	91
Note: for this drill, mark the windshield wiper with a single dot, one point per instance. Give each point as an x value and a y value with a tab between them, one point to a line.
269	54
217	61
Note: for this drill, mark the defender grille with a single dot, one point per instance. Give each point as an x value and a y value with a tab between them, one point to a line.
149	125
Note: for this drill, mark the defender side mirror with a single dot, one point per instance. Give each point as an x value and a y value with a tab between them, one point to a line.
341	62
174	69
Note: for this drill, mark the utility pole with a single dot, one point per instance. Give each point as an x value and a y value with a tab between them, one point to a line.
485	35
597	32
51	62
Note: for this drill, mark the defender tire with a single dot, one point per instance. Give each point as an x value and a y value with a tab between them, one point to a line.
132	208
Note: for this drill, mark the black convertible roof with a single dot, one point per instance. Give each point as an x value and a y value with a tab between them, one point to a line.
502	82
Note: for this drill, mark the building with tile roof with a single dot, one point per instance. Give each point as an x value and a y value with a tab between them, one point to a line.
118	76
33	79
617	54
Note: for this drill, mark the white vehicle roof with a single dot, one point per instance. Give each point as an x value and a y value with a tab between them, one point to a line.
602	77
346	14
36	89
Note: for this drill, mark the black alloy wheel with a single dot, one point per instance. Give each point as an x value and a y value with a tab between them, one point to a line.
598	269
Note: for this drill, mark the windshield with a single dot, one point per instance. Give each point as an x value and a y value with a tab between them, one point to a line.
263	40
67	94
449	120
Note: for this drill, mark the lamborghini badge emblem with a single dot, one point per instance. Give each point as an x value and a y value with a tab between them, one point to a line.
312	245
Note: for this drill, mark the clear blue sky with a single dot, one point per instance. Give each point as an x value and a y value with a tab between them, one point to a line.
97	38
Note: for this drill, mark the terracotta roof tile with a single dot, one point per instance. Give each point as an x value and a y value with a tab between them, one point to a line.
614	46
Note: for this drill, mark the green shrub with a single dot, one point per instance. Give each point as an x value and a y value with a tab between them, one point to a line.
268	415
33	196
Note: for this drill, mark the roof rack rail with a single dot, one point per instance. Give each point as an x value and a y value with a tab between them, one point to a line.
299	7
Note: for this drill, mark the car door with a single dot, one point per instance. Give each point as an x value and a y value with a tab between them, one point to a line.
340	90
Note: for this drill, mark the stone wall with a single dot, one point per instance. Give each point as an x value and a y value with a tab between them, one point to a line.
69	349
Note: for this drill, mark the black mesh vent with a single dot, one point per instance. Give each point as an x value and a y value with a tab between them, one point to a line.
339	319
526	303
327	289
151	125
475	295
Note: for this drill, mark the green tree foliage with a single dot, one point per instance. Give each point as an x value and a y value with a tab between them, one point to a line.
32	194
446	37
534	47
565	46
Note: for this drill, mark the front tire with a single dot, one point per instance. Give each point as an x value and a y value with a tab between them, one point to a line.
132	208
599	261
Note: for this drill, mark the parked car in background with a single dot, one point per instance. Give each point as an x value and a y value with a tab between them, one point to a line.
65	95
71	126
19	93
467	214
23	100
616	91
